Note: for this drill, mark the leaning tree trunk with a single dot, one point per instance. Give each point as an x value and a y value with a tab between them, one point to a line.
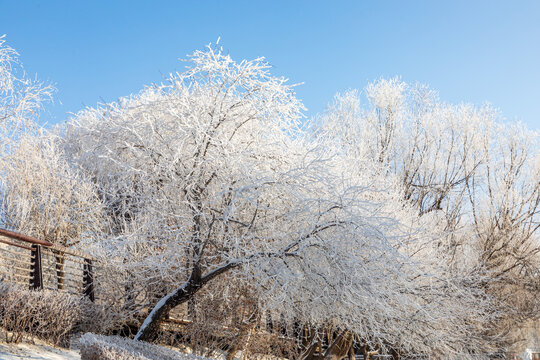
150	327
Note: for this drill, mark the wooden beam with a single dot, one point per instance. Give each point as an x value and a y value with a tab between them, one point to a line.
25	238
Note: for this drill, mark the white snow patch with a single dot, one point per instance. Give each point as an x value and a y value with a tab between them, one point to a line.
37	351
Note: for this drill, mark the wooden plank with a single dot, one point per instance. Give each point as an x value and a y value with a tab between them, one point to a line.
25	238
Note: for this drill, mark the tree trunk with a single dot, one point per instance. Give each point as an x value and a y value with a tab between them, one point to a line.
340	347
149	328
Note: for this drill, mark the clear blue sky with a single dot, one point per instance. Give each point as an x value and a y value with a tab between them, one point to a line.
470	51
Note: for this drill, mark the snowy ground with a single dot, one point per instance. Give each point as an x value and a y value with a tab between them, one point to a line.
37	351
40	350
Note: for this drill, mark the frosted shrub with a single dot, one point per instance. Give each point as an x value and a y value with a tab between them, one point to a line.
48	315
44	314
97	347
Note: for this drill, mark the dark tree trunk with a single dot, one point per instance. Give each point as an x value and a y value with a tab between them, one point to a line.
150	327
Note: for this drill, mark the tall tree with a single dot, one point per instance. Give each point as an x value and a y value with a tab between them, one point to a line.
462	166
42	194
20	97
210	176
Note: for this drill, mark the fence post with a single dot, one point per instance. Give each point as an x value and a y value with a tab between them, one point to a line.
88	279
36	280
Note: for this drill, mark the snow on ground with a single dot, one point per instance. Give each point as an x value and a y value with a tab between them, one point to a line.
37	351
41	350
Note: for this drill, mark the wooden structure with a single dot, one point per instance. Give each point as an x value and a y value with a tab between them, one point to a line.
39	264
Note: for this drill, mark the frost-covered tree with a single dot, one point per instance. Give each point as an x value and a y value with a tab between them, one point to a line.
46	197
431	148
188	168
378	226
505	201
42	194
20	97
477	177
209	176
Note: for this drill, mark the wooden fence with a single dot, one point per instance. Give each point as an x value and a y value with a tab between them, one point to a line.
39	264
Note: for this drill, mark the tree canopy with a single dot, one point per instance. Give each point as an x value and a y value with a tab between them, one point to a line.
405	221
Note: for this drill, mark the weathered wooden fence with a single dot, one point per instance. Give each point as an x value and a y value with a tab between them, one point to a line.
39	264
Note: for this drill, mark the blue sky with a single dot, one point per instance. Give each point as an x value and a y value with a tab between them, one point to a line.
470	51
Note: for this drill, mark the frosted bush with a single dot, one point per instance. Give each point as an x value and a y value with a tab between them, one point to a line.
49	315
98	347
